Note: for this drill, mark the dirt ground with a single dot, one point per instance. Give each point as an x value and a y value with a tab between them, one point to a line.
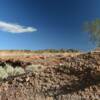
62	76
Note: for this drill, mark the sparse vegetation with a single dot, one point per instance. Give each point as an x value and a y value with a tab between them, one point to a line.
33	68
56	51
8	70
18	71
3	73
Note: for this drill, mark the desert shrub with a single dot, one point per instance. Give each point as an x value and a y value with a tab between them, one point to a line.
56	50
9	70
13	71
33	68
18	71
3	73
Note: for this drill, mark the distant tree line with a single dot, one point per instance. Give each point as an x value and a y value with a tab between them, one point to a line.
43	51
56	51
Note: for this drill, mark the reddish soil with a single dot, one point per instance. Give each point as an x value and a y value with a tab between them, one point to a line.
64	77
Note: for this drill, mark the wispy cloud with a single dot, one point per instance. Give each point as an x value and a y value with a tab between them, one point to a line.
15	28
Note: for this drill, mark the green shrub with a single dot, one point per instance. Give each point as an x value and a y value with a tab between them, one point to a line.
13	71
9	69
3	73
33	68
18	71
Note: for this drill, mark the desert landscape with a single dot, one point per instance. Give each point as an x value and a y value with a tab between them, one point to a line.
49	49
31	75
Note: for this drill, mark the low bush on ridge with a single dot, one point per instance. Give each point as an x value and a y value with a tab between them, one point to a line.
18	71
8	70
3	73
33	68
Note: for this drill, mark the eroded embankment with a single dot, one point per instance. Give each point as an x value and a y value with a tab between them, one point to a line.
76	78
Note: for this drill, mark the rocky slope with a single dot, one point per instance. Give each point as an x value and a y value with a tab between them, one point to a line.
64	78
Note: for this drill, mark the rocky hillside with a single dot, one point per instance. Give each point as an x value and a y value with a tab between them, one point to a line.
57	77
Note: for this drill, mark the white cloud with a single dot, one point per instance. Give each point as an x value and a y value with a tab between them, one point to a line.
15	28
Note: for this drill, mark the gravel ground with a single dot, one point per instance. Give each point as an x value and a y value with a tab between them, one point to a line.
69	78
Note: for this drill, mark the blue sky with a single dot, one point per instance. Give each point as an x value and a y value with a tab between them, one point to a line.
58	23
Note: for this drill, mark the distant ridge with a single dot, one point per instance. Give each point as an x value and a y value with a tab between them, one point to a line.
96	49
